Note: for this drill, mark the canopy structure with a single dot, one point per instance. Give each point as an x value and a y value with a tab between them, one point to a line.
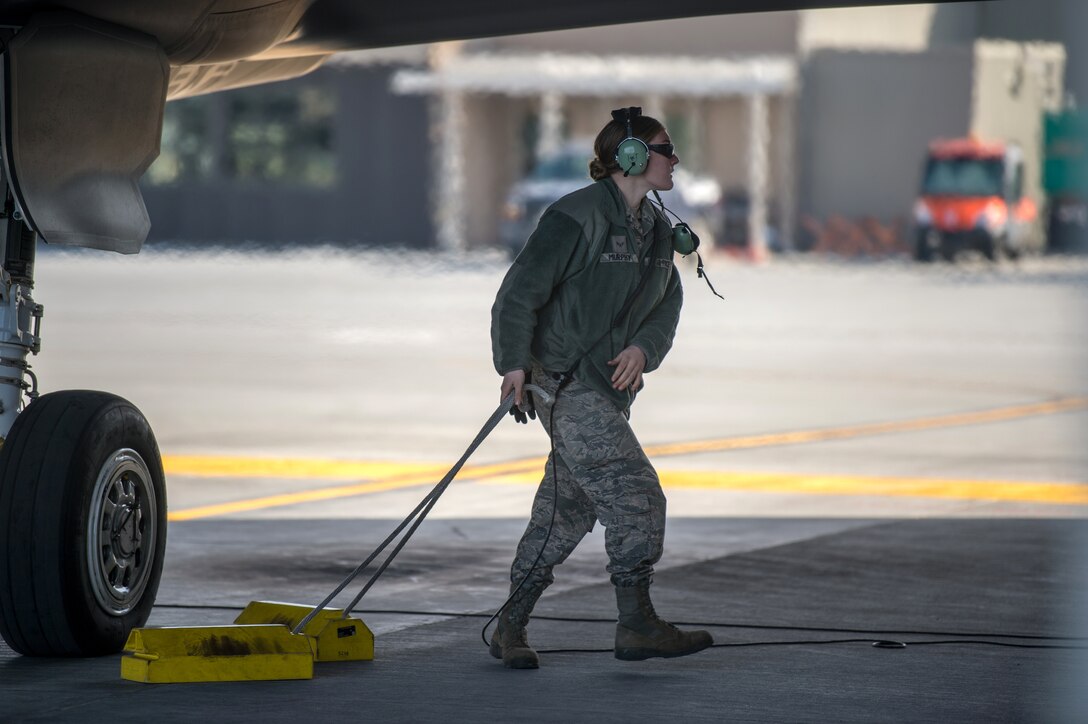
553	78
578	74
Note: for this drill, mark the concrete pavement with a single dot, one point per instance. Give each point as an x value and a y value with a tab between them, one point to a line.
983	605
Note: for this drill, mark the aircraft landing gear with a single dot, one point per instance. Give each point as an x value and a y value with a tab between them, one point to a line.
82	493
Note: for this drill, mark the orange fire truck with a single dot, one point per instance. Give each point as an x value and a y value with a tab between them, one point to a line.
972	198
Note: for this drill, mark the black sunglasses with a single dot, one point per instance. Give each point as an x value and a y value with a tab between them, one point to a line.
665	149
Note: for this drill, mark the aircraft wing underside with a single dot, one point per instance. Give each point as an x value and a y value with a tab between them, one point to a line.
208	31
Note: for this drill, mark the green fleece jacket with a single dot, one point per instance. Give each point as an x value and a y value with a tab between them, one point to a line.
561	295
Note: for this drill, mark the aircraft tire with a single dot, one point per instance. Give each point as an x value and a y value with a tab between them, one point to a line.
82	525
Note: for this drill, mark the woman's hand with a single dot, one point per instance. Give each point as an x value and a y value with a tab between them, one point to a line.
629	365
523	409
513	381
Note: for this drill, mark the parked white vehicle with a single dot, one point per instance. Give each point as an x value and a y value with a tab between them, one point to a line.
696	199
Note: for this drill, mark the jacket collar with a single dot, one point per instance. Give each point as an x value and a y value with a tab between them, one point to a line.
618	210
617	213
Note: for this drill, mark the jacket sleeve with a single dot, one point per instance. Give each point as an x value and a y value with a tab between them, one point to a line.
550	256
655	334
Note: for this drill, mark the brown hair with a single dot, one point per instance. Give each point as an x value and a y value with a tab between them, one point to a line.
609	139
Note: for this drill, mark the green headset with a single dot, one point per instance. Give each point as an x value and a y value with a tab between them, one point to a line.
633	154
684	240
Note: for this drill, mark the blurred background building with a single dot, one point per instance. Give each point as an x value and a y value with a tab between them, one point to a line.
812	125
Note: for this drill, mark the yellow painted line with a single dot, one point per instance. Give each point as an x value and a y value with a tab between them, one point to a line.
223	466
303	496
383	476
1020	491
805	484
1001	414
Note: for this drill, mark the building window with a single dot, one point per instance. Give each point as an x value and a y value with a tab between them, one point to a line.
267	134
187	153
282	135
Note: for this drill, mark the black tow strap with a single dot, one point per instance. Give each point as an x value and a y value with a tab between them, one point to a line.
417	515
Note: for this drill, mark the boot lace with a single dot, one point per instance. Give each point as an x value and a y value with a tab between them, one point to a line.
519	639
647	607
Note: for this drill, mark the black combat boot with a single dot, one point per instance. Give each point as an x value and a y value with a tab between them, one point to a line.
509	642
640	634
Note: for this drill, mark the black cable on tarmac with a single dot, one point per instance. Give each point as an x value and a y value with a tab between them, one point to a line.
957	638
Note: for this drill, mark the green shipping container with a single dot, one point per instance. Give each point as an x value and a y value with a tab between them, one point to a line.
1065	154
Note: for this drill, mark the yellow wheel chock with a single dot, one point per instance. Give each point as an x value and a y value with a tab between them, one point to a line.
216	653
332	636
259	647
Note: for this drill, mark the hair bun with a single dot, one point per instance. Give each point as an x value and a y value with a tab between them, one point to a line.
597	169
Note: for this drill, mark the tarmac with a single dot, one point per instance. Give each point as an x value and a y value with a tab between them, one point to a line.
843	476
987	608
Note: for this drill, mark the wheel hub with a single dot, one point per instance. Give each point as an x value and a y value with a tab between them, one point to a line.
120	546
125	529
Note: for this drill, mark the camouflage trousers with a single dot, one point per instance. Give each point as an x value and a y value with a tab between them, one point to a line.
597	471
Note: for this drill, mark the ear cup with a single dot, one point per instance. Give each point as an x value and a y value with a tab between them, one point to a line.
633	156
684	240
